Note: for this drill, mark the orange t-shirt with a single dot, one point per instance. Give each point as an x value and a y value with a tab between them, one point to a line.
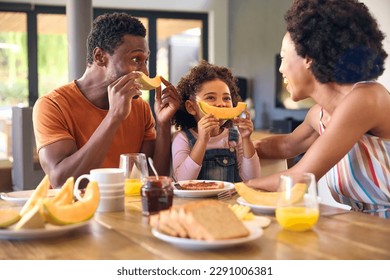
65	113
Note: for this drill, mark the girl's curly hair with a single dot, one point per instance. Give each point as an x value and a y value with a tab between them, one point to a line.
108	30
341	37
190	84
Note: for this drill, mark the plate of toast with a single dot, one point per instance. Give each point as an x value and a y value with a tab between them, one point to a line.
202	224
194	244
200	188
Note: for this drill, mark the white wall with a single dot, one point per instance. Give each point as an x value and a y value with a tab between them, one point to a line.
256	30
381	11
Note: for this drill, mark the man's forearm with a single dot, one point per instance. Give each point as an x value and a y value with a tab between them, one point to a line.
162	150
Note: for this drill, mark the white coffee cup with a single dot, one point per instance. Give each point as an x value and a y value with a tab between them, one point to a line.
103	176
111	204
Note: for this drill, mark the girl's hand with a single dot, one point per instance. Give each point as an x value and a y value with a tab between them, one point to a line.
205	126
244	125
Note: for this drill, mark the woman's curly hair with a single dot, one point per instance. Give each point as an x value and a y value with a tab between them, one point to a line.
190	84
108	30
340	36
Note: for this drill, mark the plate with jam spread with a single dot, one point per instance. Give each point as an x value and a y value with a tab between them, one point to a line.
201	188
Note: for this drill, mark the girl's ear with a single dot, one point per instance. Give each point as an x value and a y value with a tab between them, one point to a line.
190	107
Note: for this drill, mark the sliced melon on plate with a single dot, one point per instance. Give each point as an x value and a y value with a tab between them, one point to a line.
8	217
32	219
76	212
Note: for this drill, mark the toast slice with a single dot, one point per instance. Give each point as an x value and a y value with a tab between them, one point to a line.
201	220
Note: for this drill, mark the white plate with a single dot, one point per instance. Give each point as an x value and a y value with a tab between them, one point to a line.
261	209
49	231
201	193
257	209
21	197
255	232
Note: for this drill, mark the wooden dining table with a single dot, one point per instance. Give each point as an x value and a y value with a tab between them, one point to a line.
126	235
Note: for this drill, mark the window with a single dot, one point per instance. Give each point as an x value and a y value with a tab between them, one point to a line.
34	53
13	73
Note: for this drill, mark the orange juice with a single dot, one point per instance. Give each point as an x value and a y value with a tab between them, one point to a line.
297	218
133	187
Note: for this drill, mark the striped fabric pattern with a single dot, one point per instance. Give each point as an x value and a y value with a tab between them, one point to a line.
362	178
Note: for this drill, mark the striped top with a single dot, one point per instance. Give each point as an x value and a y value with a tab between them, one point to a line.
362	178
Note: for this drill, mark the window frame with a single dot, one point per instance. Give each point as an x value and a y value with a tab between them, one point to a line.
33	10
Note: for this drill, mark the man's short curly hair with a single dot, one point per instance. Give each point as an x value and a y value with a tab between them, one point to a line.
108	30
340	36
190	84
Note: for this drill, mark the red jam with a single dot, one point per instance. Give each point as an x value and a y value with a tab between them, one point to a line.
156	194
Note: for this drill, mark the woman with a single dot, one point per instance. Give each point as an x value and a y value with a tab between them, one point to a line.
333	52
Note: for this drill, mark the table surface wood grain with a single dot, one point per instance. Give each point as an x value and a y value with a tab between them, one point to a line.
339	234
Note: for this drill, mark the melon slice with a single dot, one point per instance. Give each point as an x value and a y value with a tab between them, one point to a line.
32	219
267	198
39	192
77	212
8	217
147	82
65	195
222	113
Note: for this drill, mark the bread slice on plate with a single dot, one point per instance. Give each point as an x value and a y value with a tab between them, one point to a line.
202	220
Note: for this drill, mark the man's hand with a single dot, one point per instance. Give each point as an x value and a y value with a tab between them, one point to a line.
121	93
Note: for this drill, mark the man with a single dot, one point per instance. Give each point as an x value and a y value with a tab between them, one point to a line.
89	122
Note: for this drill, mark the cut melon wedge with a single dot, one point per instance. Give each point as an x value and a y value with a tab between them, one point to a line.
32	219
147	82
39	192
8	217
65	195
222	113
76	212
257	197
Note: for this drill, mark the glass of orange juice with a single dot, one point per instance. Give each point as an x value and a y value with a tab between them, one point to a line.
135	168
297	206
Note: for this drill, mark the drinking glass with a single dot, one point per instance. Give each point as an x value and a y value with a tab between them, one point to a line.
297	206
135	168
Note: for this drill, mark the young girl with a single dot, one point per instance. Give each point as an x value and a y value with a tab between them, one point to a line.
206	148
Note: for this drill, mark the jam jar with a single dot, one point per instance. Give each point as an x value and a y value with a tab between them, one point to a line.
156	194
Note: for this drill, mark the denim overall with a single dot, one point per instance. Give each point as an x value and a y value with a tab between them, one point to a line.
219	164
